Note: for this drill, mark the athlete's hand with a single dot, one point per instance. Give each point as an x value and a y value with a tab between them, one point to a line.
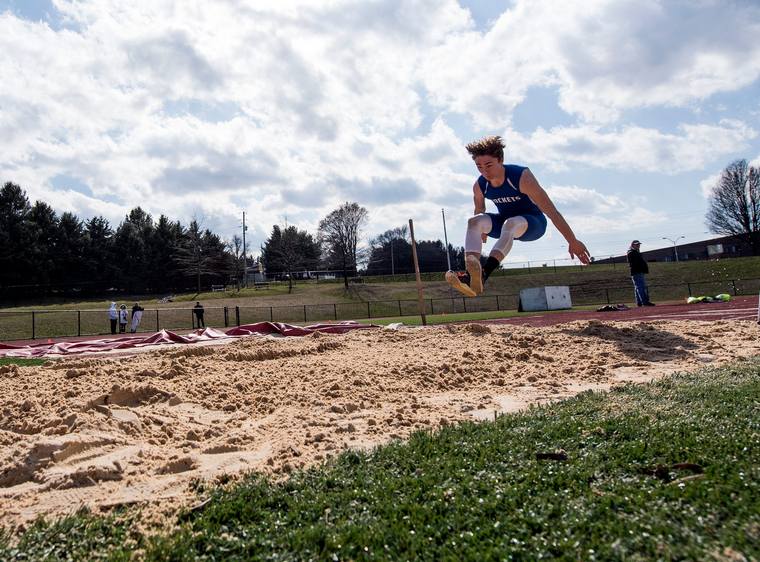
578	250
484	237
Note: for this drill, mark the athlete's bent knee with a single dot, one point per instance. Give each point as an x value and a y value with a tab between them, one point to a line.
480	222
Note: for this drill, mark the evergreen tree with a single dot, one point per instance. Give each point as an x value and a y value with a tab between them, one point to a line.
42	243
290	250
100	264
15	234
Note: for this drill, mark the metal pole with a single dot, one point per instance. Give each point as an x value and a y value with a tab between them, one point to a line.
157	323
33	325
420	297
79	319
245	259
446	240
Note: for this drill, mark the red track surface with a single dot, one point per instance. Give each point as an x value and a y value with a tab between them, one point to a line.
739	308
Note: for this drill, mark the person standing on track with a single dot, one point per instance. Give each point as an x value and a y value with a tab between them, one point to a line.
198	312
639	268
137	312
113	316
522	206
123	317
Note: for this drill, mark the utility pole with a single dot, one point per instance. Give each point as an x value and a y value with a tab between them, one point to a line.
446	240
245	258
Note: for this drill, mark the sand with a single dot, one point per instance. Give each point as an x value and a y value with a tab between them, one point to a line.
144	429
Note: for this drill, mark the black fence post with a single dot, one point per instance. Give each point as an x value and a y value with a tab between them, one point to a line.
335	311
431	307
271	314
33	334
369	313
304	313
79	322
607	292
464	304
733	284
498	305
158	329
688	286
237	315
399	308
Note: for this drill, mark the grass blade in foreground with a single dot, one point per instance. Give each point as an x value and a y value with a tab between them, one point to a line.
667	471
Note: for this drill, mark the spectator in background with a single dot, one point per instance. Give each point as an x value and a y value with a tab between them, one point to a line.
113	317
123	317
198	311
137	312
639	269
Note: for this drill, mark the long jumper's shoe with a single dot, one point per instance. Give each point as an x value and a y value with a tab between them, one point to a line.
457	280
472	264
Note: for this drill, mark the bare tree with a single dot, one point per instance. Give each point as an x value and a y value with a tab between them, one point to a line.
237	263
734	204
339	235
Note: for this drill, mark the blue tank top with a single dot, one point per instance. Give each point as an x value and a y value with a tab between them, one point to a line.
507	197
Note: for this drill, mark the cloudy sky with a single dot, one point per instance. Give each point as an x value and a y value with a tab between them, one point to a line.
625	111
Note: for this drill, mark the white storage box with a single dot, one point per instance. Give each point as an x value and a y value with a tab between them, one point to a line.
544	298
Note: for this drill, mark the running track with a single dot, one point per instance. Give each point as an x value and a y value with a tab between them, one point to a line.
739	308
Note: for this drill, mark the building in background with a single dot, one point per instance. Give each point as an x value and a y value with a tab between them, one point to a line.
714	248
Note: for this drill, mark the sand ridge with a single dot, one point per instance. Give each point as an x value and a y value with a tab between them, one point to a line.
106	431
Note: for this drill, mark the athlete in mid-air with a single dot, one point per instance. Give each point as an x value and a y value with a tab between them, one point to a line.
522	206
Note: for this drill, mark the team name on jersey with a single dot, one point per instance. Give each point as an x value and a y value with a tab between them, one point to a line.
507	199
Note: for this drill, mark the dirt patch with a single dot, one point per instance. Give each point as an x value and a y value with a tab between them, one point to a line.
142	429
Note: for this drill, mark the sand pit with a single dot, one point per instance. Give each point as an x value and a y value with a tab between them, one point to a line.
142	429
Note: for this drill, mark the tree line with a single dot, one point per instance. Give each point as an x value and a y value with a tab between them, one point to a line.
42	252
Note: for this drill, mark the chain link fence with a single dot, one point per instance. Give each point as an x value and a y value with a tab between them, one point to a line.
46	324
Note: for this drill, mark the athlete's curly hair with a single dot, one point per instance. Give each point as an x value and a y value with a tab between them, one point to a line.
487	146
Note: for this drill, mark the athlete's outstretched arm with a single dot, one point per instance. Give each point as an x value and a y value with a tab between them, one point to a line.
530	187
480	205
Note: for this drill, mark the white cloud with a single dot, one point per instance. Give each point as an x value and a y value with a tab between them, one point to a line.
292	107
605	56
631	147
708	184
590	212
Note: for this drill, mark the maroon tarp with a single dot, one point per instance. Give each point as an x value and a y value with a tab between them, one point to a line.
167	337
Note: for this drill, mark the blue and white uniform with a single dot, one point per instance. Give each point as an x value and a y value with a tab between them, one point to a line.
511	203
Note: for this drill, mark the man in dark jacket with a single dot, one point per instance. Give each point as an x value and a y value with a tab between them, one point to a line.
639	269
198	311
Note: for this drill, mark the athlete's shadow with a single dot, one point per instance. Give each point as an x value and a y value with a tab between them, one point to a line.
641	341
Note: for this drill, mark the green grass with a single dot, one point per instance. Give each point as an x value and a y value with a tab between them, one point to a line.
21	361
476	491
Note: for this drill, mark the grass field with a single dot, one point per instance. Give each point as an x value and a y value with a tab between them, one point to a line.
668	470
312	302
